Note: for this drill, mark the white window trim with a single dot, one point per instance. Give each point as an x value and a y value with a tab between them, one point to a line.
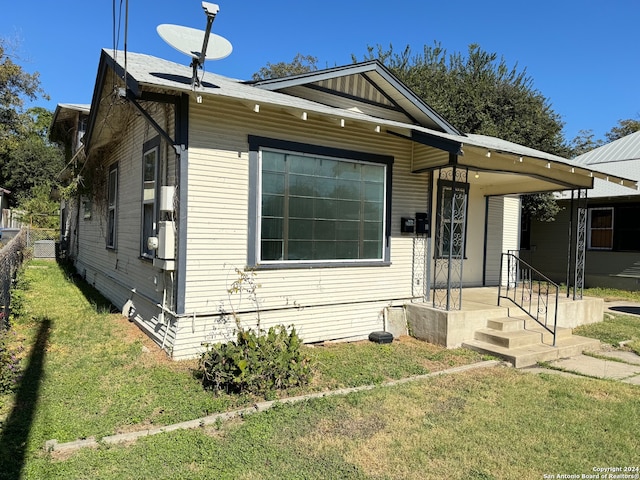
113	170
155	148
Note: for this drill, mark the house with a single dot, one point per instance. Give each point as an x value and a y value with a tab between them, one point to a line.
67	129
4	207
612	230
327	200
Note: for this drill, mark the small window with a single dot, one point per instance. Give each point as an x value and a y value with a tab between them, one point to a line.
112	206
149	196
600	229
86	209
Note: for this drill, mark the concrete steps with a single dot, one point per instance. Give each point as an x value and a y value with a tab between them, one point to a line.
522	342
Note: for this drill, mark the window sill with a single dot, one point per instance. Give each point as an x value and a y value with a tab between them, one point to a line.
301	265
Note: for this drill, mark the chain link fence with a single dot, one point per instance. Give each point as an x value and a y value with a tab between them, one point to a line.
43	242
11	257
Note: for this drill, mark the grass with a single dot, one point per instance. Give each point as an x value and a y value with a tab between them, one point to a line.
491	424
99	375
612	294
613	330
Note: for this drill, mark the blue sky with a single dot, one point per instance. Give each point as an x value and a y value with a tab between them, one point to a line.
582	55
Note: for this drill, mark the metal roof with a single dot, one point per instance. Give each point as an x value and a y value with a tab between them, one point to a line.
621	150
145	71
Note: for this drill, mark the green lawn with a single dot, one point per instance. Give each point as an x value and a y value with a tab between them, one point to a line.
97	374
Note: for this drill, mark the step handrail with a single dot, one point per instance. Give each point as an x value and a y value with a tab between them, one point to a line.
520	290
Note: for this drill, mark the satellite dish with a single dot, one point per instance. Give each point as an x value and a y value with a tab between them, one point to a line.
190	42
199	45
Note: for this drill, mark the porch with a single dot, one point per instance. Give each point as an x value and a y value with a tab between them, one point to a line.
505	330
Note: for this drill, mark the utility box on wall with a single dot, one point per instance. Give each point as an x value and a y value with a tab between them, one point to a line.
407	224
166	241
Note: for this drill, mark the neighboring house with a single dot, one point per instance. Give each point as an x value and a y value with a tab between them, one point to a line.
4	208
612	229
320	200
68	127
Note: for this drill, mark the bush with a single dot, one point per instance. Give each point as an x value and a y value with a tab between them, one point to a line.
9	365
257	362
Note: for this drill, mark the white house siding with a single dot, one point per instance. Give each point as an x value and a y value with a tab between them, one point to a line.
495	225
503	234
324	303
116	272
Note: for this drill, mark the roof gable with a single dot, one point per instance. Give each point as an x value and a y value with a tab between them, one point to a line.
367	87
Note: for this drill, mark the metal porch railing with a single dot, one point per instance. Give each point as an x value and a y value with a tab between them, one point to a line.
529	290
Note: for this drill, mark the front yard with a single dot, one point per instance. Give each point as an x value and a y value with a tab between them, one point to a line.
96	374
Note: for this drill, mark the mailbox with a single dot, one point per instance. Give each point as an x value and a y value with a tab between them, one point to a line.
422	224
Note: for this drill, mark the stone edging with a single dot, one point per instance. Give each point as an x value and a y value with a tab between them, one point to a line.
53	445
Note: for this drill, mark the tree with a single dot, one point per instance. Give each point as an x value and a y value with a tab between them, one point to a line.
624	128
39	210
300	64
16	85
478	93
29	159
583	143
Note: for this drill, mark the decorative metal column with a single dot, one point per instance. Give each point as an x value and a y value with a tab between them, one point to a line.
581	244
576	257
451	219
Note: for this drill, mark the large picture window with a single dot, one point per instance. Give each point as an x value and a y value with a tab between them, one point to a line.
150	165
112	205
320	208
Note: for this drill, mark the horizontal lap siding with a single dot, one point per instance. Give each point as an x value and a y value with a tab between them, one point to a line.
320	323
218	209
116	272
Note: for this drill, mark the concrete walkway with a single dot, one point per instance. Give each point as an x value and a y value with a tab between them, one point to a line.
612	365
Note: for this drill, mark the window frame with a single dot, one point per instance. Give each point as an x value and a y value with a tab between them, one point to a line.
590	228
112	207
149	147
259	144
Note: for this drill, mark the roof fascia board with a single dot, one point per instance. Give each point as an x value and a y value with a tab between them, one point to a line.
316	76
435	141
417	101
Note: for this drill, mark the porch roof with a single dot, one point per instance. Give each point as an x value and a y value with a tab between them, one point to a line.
435	149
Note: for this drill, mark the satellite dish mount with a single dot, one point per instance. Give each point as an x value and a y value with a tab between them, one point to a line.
188	41
210	10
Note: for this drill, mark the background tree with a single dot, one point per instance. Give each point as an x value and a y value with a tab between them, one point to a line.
27	158
300	64
16	85
478	93
624	128
584	142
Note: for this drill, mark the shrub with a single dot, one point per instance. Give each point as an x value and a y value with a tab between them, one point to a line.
9	365
256	362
